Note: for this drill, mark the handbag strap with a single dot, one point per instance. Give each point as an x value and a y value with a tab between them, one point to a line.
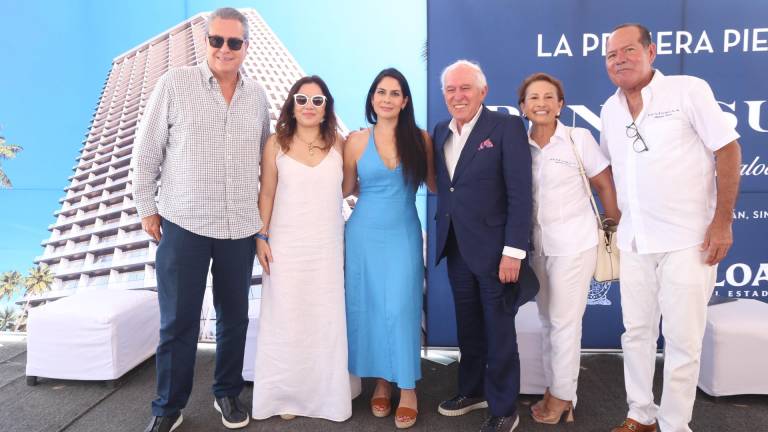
583	174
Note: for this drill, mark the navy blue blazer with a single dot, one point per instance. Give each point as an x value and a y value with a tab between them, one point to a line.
489	200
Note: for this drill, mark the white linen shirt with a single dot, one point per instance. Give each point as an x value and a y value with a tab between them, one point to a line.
563	220
666	194
452	151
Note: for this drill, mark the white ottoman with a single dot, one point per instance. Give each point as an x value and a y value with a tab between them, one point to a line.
96	335
735	348
529	341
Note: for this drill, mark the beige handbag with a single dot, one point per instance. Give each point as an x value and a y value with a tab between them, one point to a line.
607	268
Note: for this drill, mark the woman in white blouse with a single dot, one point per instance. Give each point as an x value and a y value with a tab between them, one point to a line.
564	236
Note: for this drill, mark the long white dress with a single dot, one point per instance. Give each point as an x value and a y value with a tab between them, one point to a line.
301	347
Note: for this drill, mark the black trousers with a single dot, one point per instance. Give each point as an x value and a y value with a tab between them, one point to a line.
182	263
485	320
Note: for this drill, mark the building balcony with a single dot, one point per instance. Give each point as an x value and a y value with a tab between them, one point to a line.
133	240
82	173
79	219
126	262
96	173
88	219
149	283
96	266
98	189
99	177
66	224
127	114
74	207
55	255
69	269
107	146
99	199
103	158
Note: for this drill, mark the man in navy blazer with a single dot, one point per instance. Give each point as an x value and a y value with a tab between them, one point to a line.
483	166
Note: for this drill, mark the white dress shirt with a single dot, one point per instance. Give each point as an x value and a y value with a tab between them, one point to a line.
455	143
452	151
666	194
563	220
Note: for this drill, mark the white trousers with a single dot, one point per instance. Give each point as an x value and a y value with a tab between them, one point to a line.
562	299
676	286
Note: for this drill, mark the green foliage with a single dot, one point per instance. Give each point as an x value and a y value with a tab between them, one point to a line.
7	151
8	318
10	282
39	279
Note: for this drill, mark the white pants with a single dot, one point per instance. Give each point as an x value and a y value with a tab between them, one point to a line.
562	298
676	286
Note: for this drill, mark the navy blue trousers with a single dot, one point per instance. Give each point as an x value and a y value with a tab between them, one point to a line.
485	321
182	263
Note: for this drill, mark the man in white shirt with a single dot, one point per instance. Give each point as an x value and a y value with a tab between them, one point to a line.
666	138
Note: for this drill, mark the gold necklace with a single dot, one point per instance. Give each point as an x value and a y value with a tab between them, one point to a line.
310	145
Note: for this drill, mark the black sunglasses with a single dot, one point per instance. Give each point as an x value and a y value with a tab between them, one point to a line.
218	41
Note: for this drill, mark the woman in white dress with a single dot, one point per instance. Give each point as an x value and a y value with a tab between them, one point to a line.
301	347
564	236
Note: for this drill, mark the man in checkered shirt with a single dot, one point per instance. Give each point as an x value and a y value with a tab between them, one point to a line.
202	132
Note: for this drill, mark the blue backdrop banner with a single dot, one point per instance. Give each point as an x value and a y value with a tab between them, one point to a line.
725	43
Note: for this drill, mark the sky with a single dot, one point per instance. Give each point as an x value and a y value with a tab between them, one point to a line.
56	57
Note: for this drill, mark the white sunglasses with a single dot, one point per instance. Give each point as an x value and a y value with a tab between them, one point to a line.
302	99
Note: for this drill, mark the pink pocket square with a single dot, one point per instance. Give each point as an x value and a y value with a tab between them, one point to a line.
485	144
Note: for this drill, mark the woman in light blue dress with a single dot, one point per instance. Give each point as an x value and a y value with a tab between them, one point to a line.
384	264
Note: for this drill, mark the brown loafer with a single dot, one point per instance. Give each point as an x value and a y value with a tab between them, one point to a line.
631	425
381	407
405	417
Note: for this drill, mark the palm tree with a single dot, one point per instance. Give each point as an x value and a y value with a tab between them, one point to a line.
7	151
9	284
7	318
38	281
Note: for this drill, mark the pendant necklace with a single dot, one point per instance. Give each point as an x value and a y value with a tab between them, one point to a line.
310	145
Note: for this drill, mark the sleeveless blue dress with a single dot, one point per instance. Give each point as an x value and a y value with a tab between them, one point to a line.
384	275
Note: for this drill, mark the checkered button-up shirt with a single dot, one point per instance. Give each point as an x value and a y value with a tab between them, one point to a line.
207	153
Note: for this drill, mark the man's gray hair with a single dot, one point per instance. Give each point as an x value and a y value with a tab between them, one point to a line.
479	75
228	13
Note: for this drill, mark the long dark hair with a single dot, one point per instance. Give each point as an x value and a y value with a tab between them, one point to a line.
286	123
409	142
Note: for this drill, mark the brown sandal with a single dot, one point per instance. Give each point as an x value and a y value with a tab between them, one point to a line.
408	416
381	407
